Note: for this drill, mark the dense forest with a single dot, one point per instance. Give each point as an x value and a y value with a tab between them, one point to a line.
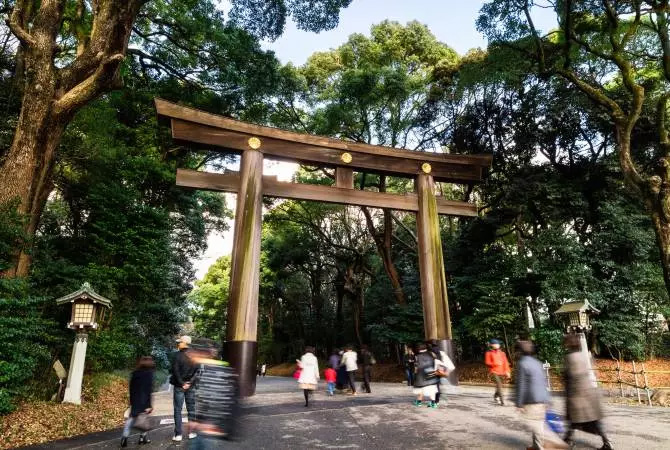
573	208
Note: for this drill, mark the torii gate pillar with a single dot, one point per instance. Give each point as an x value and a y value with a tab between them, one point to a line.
241	345
436	318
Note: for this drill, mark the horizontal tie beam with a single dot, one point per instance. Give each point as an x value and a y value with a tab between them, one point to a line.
229	182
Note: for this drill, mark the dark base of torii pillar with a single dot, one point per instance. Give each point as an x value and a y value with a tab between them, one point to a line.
242	355
436	318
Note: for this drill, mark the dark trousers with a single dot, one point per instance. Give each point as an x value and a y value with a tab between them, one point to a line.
409	373
498	394
179	396
595	427
352	383
367	375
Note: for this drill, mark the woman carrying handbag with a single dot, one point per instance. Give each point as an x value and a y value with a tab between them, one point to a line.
140	386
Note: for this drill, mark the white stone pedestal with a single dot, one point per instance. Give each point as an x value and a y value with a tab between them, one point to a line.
76	373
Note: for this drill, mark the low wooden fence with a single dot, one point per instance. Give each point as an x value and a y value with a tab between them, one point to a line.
639	376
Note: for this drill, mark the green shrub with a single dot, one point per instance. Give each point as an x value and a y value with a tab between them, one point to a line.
110	349
26	339
549	343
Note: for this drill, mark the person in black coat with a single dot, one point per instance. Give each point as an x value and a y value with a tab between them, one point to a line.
140	386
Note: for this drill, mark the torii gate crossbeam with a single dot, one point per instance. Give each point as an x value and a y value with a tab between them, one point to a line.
255	142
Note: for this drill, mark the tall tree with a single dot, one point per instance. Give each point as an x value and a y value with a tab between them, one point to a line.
617	54
376	90
71	51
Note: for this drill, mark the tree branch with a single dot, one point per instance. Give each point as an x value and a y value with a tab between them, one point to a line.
17	20
90	88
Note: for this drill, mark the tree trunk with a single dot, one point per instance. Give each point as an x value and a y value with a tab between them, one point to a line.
662	230
26	170
52	95
383	243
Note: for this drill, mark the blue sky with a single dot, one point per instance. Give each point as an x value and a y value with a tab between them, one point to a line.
451	21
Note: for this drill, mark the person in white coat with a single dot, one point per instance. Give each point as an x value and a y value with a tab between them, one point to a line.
309	373
349	361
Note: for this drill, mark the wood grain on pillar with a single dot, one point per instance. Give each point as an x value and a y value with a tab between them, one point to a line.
437	322
344	178
245	271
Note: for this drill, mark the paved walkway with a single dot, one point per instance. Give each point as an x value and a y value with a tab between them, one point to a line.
276	419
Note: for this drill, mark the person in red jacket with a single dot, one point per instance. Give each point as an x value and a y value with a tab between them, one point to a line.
331	378
496	360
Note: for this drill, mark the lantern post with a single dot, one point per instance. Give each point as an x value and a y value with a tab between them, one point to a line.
577	317
88	310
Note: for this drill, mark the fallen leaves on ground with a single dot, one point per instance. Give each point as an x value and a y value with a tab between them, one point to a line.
38	422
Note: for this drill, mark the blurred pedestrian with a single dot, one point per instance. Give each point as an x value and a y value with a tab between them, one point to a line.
426	379
367	361
264	368
216	398
582	399
496	360
183	371
444	367
342	379
309	375
140	388
349	361
334	359
408	361
532	395
331	377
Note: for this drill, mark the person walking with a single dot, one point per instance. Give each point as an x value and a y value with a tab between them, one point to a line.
444	365
496	360
367	361
331	377
349	361
425	379
582	399
183	371
531	394
309	374
140	388
264	368
216	397
334	359
408	361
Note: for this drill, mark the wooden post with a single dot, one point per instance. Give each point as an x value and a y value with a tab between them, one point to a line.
436	319
646	385
637	388
344	178
618	371
241	346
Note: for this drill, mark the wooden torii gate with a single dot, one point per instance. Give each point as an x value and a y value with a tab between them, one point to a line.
254	143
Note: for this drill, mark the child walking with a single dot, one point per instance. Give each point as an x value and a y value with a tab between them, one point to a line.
331	378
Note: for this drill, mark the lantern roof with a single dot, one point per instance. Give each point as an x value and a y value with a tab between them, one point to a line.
576	306
85	292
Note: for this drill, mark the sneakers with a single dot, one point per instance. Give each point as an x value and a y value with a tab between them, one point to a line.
192	435
417	403
144	440
124	442
432	405
177	438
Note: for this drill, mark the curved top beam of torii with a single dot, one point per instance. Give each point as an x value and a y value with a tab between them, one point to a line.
222	133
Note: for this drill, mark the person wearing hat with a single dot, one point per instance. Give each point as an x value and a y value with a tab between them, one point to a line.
183	371
496	360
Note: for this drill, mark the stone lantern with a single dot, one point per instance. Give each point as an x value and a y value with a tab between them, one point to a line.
577	315
88	310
